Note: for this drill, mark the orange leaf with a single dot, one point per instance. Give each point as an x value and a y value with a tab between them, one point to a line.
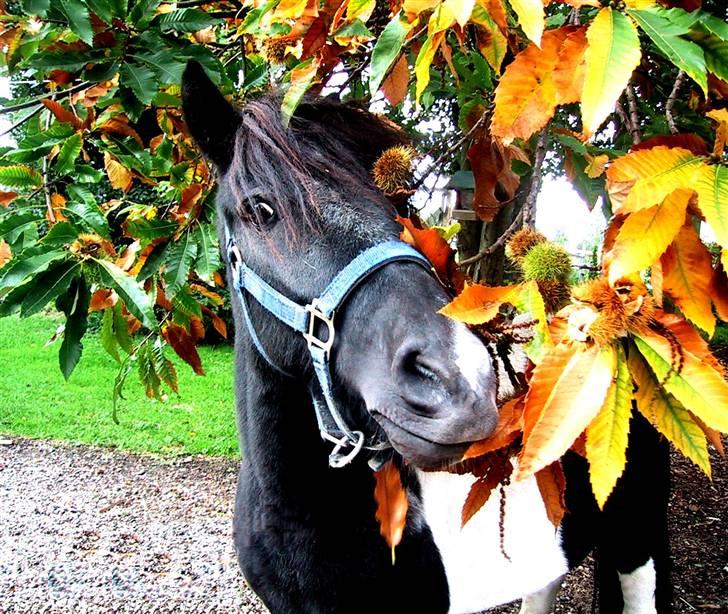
119	176
102	299
688	338
526	95
7	197
551	484
430	243
478	304
687	274
394	87
58	203
217	322
482	488
5	253
567	390
392	504
145	253
184	346
120	125
62	114
126	260
719	291
189	198
690	141
506	431
213	296
569	71
713	436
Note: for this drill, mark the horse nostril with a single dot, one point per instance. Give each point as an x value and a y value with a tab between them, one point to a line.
414	364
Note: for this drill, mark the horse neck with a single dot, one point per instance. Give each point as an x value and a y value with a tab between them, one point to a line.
281	444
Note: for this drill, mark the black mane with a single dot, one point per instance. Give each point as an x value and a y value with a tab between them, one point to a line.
326	142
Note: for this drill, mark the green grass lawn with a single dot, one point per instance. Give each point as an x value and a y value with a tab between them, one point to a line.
35	401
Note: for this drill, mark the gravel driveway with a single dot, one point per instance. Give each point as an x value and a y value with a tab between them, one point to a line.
87	529
92	530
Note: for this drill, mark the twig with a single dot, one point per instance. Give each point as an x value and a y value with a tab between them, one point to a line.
450	150
671	102
529	205
487	251
23	119
33	101
623	117
46	189
632	101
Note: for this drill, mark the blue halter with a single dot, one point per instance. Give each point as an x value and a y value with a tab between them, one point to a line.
319	314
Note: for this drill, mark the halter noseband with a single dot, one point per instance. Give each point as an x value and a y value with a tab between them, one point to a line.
309	319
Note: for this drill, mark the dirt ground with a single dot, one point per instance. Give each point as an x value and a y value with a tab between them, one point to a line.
93	530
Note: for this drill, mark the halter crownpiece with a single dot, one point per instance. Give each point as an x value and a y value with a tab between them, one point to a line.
309	320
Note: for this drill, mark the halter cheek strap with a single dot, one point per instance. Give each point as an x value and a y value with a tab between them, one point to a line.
313	319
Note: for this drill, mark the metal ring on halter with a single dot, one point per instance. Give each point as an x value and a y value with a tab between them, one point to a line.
336	459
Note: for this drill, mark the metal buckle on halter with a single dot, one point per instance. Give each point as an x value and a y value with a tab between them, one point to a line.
336	458
314	314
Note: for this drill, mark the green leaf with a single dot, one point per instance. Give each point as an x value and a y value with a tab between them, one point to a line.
147	373
48	285
77	15
140	79
666	35
35	7
15	224
180	258
68	60
75	305
143	12
712	35
208	252
61	233
87	174
20	176
154	262
107	9
91	216
68	154
528	300
186	20
106	335
386	50
136	300
30	262
164	367
166	67
121	330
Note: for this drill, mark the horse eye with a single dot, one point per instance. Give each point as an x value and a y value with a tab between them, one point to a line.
262	212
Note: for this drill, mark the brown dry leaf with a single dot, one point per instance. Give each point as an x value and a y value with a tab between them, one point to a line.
197	329
687	275
498	471
392	504
491	162
690	339
5	253
184	346
119	124
126	260
189	198
217	322
62	114
213	296
394	87
431	244
688	140
7	197
552	484
719	291
119	176
102	299
510	423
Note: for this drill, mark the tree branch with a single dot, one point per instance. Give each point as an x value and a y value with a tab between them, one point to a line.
632	101
57	96
671	102
529	205
23	119
487	251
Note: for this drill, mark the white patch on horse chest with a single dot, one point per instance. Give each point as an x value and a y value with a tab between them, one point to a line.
478	574
638	589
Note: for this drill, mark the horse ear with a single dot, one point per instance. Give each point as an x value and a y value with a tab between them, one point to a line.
212	120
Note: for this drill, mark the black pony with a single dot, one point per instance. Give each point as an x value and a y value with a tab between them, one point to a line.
297	205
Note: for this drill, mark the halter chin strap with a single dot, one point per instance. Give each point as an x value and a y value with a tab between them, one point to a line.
311	321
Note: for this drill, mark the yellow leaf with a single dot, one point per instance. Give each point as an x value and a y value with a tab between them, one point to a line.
698	386
644	178
491	42
5	253
478	304
639	4
608	433
119	176
527	299
441	19
668	415
721	132
612	55
461	9
564	399
596	166
570	68
526	95
290	9
360	9
711	184
415	7
645	235
531	18
687	275
423	62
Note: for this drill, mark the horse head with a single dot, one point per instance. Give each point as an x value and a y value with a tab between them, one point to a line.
300	204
